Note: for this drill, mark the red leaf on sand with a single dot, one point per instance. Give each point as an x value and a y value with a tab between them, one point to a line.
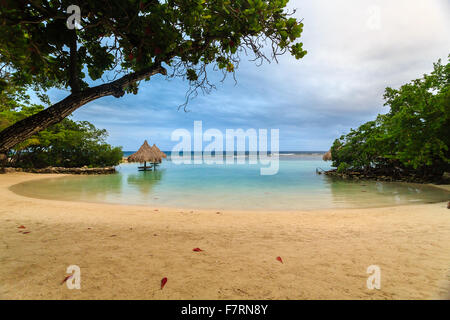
197	250
27	232
67	278
163	282
279	259
21	227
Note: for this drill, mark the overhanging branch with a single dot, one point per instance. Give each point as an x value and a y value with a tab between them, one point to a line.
27	127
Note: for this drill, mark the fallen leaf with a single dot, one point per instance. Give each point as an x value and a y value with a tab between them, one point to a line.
67	278
21	227
197	250
27	232
279	259
163	282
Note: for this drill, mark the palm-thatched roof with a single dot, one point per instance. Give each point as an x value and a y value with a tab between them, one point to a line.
155	148
327	156
146	154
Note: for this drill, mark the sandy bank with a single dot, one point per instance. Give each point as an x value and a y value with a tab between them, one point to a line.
125	251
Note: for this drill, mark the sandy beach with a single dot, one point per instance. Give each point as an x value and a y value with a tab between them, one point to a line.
125	251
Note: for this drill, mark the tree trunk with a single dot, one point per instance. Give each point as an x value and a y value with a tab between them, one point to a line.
3	162
24	129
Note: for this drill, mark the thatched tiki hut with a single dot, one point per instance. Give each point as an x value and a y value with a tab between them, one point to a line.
327	156
147	154
156	149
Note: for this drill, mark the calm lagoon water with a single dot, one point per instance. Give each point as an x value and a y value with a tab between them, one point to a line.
237	186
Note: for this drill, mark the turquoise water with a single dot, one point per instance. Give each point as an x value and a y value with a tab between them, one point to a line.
236	186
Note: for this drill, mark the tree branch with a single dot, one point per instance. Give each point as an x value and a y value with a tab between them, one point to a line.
74	80
27	127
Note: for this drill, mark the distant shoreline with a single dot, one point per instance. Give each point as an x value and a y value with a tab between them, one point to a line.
128	153
62	170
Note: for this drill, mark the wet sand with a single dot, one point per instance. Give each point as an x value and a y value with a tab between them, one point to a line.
124	251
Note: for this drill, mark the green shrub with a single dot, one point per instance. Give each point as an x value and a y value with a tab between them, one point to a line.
66	144
413	135
343	166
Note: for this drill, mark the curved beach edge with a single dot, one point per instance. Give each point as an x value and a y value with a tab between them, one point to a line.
33	177
124	251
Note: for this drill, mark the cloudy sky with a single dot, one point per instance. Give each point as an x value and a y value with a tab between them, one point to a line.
355	49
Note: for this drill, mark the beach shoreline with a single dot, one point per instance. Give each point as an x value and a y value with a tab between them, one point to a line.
124	251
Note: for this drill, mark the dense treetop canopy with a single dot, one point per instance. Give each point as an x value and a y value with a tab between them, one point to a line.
118	37
413	135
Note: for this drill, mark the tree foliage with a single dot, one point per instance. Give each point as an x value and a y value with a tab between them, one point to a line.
413	135
66	144
123	42
127	36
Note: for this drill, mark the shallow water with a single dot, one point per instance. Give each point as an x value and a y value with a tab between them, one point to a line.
295	187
